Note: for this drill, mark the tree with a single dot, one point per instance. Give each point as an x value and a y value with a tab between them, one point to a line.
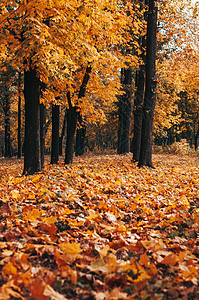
42	131
63	131
80	137
53	40
137	111
131	47
55	134
124	109
176	114
6	108
145	158
72	117
19	117
8	91
139	96
32	143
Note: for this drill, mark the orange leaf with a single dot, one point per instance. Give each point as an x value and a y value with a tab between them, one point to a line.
9	269
144	260
153	269
37	289
170	259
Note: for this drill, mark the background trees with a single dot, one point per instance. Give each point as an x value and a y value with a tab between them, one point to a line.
58	41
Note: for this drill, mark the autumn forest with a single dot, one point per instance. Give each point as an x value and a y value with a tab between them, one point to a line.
99	134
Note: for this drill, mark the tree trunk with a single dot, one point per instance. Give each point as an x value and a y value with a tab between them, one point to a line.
145	158
19	128
62	132
72	118
196	140
80	137
139	98
139	95
71	127
125	112
42	131
120	126
32	149
8	150
19	119
55	135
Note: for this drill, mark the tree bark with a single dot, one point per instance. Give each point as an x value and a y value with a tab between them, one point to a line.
55	135
145	158
120	126
8	150
125	112
139	99
138	103
196	140
19	118
42	131
19	128
71	127
32	149
80	137
62	132
72	118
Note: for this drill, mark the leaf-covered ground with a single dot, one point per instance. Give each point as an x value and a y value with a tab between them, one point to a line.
100	229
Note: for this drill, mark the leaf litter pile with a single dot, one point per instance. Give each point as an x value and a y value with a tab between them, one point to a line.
101	228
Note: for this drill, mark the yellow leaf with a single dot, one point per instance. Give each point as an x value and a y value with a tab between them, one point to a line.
9	269
70	248
50	220
104	251
14	194
31	197
73	276
33	215
36	178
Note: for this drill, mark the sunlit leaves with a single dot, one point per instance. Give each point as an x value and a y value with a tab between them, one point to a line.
59	38
98	224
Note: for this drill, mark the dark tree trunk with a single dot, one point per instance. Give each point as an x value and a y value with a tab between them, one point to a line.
139	99
80	137
8	150
125	112
55	135
71	127
62	133
120	126
32	149
72	118
145	158
19	119
19	128
42	131
196	140
136	143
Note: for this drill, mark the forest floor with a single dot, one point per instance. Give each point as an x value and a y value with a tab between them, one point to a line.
101	228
